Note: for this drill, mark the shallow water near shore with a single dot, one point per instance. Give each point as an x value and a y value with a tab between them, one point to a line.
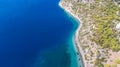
36	33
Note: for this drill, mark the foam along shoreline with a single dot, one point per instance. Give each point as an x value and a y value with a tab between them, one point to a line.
76	40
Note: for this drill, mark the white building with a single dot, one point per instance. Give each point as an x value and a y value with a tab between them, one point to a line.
118	26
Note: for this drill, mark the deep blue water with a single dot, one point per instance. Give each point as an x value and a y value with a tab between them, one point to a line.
34	33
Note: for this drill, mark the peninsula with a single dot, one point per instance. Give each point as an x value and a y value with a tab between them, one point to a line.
98	36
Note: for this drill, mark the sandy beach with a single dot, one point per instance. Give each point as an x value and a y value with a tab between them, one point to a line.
77	45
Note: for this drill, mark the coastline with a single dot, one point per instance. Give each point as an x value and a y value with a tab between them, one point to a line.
78	48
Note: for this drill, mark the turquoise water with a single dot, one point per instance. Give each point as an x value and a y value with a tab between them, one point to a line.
76	62
71	44
71	56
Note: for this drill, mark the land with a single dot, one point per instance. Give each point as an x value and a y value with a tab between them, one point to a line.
97	38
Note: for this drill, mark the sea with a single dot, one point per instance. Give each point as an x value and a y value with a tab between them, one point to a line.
36	33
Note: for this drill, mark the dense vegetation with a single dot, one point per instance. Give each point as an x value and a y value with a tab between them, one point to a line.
98	63
104	26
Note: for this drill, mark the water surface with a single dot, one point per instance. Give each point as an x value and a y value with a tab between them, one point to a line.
35	33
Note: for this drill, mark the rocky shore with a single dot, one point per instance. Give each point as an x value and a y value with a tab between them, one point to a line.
80	53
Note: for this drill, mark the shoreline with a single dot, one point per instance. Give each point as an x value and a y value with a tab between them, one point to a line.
78	48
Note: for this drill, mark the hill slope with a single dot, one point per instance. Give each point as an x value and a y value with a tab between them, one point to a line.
99	34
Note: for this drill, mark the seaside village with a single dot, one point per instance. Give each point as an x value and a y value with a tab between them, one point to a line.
99	33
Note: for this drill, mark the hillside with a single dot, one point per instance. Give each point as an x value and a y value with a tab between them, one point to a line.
99	34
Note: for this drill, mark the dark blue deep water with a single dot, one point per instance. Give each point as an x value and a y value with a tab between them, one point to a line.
34	33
